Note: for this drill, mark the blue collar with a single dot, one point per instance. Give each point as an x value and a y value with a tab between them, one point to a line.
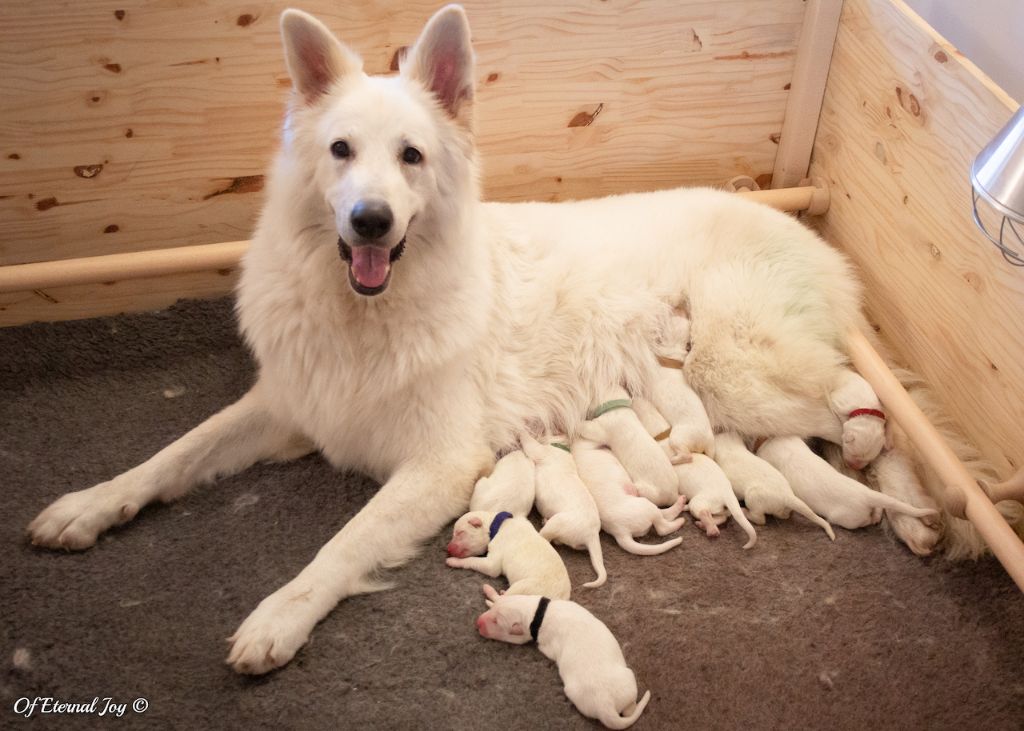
496	523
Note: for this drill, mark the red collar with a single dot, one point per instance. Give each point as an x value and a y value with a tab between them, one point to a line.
867	412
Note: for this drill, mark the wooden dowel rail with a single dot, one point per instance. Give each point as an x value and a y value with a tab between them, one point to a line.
963	494
209	257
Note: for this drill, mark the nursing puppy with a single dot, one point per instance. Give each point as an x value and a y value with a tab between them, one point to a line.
513	548
382	300
837	498
617	426
511	486
650	417
862	422
675	400
624	515
710	496
761	487
590	661
570	515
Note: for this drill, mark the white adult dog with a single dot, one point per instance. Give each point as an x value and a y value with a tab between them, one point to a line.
498	317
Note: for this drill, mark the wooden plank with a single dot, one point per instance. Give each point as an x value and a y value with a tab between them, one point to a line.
903	117
111	298
150	124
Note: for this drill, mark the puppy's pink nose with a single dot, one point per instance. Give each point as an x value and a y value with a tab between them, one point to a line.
454	549
481	625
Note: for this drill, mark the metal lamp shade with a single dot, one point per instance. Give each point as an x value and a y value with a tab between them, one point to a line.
997	176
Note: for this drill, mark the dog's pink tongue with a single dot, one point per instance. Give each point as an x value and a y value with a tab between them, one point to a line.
370	265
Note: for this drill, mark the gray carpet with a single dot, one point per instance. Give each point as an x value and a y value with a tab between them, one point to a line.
796	633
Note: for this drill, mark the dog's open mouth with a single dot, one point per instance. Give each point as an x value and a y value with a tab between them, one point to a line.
369	267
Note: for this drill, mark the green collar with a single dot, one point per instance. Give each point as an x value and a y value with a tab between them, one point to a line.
620	403
560	445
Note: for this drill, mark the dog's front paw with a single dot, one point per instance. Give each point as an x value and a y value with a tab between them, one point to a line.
75	521
273	633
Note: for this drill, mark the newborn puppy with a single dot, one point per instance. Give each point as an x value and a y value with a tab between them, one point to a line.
837	498
571	517
590	661
650	417
761	487
710	494
624	515
509	487
513	548
860	415
893	473
619	428
675	400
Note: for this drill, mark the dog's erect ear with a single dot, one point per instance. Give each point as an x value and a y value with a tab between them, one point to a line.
442	60
316	59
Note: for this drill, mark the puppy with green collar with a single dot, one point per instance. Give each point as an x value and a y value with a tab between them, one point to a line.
513	547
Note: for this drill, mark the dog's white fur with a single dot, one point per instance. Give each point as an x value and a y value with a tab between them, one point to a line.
649	416
497	315
835	497
570	515
511	486
710	495
647	465
762	488
624	514
590	661
673	397
528	561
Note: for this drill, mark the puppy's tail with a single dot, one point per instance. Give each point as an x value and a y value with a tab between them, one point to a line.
799	506
733	504
629	544
611	718
597	560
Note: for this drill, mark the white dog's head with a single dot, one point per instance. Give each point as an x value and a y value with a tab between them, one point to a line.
864	437
383	157
508	618
471	534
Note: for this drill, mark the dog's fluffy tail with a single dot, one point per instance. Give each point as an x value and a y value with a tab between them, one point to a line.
960	539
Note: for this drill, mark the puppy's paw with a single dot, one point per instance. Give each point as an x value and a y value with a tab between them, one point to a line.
920	537
455	563
273	633
75	521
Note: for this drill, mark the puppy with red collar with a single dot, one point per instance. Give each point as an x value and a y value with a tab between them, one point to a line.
514	548
590	661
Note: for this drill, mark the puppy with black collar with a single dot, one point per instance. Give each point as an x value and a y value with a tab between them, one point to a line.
590	661
513	548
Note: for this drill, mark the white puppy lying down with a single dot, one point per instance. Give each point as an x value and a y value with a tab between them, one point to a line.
710	495
862	432
624	514
837	498
570	515
510	486
673	397
761	487
650	417
616	425
590	661
513	548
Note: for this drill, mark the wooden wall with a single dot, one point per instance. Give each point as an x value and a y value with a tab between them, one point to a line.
131	125
903	117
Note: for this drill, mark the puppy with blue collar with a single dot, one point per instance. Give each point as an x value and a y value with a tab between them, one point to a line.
590	661
513	547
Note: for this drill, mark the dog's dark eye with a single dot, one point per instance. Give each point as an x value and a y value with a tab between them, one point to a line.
340	150
411	155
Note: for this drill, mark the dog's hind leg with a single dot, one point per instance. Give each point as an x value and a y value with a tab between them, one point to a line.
417	501
227	442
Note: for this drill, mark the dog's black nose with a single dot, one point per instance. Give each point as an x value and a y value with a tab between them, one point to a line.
371	219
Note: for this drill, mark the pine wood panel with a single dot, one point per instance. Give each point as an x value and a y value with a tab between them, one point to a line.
132	124
903	117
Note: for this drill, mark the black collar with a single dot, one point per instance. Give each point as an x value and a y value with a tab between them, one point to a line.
538	618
